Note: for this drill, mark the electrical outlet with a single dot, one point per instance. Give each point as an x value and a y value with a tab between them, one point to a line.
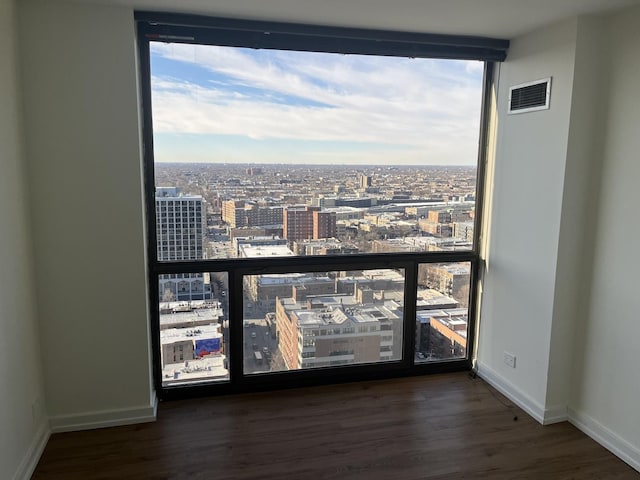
509	359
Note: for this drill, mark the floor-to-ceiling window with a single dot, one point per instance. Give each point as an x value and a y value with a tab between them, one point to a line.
314	197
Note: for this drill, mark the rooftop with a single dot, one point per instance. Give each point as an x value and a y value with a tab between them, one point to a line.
338	316
173	335
202	369
429	299
194	316
254	251
289	278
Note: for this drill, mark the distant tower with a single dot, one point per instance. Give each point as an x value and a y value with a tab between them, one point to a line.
365	181
298	223
180	236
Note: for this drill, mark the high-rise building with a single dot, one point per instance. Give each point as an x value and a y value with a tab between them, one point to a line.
233	213
336	330
324	224
180	236
179	225
298	223
257	215
364	181
238	213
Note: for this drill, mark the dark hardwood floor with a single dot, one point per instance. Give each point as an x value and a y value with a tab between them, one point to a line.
438	427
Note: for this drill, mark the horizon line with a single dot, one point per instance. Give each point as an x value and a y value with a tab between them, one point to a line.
381	165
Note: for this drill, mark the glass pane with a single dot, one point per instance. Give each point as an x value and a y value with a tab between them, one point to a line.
278	153
442	311
322	319
193	328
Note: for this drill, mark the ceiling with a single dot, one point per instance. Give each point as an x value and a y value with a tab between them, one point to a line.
491	18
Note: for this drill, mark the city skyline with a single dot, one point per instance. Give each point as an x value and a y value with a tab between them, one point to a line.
234	105
359	167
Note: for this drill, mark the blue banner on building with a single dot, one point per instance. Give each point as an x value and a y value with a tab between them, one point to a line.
207	346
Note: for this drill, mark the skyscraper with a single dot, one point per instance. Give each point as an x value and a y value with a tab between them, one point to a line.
179	225
180	236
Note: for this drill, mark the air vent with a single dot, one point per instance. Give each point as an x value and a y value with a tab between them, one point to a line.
531	96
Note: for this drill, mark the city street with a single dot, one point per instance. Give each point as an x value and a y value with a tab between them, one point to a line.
257	335
257	338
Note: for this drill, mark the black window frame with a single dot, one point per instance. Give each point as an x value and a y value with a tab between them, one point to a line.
170	28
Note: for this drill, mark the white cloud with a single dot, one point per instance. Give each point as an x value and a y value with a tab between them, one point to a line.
429	107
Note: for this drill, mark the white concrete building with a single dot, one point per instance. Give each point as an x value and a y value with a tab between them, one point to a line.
180	221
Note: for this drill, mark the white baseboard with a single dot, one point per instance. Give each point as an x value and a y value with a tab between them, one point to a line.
605	437
555	414
104	418
545	416
67	423
34	452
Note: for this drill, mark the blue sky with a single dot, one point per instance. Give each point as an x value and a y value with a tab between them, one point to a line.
225	105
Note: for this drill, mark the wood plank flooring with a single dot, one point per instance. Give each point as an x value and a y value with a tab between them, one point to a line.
437	427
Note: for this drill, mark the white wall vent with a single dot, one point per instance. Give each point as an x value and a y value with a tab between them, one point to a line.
530	96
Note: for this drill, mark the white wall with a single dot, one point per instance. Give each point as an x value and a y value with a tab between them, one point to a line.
579	199
23	428
526	206
561	289
83	156
605	396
